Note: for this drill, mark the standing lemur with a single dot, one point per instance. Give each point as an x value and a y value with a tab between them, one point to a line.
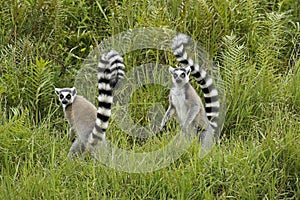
90	123
184	100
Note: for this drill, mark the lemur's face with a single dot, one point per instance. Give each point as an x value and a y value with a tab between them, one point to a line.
66	95
180	75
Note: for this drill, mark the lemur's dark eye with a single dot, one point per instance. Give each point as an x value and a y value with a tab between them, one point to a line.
68	96
175	75
61	96
182	75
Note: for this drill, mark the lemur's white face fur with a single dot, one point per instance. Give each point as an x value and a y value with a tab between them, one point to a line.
180	76
66	95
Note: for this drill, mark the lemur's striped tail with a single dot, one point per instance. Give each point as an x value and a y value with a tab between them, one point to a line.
110	73
211	97
117	68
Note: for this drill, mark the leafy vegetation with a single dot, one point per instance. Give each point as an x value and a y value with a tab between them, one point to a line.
256	45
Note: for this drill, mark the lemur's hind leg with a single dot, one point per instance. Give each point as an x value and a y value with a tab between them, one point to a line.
206	133
77	149
192	113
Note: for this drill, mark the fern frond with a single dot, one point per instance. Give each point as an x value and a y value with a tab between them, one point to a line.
39	87
233	58
14	122
273	40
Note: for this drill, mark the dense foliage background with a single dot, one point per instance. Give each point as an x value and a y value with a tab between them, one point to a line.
256	47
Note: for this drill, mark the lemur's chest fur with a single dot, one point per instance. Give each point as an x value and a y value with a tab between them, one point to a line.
179	100
68	114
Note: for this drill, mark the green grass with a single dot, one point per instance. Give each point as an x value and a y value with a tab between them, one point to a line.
256	47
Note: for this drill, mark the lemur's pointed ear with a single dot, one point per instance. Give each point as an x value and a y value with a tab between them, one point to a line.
74	91
171	70
57	91
188	70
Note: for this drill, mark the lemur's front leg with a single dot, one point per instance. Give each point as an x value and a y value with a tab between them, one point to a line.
170	112
72	134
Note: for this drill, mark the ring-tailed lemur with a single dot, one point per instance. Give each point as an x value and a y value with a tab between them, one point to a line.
83	117
185	101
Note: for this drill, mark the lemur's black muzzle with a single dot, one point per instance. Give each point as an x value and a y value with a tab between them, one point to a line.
64	101
178	80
